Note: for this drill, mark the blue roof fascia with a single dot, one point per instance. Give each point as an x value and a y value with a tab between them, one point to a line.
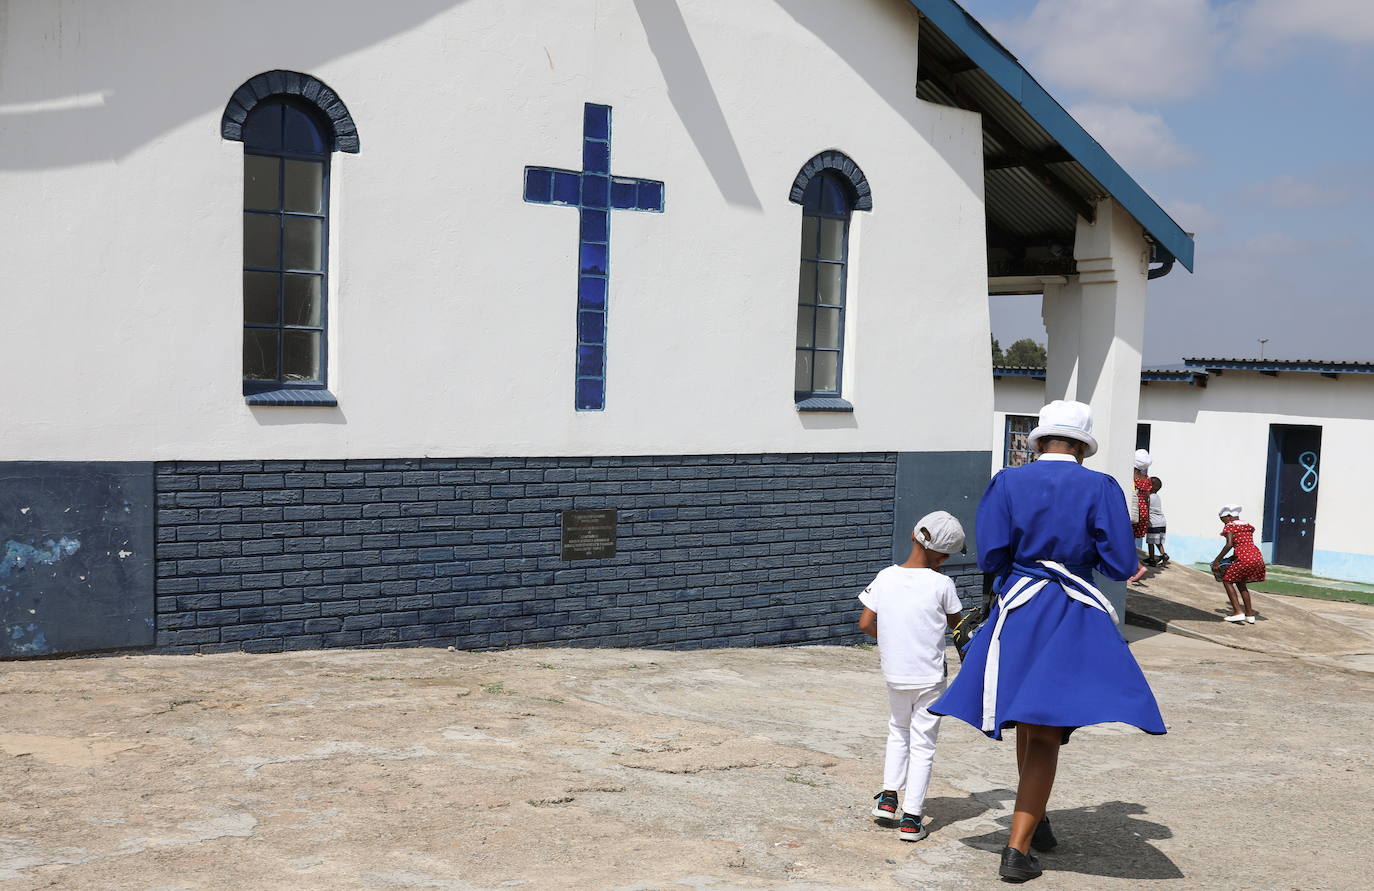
1185	377
989	55
1319	366
1018	371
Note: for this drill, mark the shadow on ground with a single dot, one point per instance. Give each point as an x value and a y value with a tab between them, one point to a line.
948	810
1108	839
1102	840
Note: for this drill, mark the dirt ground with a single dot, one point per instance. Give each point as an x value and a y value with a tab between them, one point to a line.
641	769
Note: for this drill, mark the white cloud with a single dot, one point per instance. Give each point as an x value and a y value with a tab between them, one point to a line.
1291	192
1119	49
1193	217
1137	139
1262	26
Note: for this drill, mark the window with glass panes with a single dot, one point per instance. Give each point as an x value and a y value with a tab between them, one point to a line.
1018	448
285	234
820	297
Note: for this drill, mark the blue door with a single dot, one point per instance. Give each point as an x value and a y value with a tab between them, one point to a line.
1295	480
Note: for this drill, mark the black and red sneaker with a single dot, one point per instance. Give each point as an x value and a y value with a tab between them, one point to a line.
911	829
886	809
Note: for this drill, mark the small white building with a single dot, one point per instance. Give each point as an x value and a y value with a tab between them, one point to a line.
1288	440
487	323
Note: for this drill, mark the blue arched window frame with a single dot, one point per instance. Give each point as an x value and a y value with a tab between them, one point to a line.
286	248
829	187
313	123
826	208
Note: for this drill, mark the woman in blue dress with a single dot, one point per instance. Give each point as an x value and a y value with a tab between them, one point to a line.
1049	658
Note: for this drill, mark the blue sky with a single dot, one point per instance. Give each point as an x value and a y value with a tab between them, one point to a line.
1251	122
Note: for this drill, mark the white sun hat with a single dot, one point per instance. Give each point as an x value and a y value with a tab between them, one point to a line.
940	531
1143	460
1072	420
1229	510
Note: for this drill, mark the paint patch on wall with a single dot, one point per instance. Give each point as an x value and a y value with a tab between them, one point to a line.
76	548
19	555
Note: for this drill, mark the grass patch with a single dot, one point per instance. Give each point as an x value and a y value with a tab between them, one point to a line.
495	689
547	666
864	646
1314	591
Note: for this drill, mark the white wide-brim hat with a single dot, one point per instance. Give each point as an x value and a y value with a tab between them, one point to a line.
1143	460
1072	420
1229	510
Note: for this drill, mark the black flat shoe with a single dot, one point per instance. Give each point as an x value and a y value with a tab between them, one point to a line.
1043	840
1018	867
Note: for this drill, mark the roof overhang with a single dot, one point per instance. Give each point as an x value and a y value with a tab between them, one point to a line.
1274	366
1042	170
1191	377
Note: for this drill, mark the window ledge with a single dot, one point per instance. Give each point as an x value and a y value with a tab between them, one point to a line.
314	398
824	403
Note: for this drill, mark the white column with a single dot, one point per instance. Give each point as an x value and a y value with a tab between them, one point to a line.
1061	308
1096	330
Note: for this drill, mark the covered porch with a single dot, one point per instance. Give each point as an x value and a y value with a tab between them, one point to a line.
1065	222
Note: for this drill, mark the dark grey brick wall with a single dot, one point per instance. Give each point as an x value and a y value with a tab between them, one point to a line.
714	550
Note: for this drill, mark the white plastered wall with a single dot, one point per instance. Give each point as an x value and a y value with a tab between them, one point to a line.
1211	446
452	301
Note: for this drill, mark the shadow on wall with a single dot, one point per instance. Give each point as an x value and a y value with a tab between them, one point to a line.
124	90
281	416
848	35
830	420
694	100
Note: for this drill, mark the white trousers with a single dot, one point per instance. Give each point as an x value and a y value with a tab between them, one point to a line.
911	733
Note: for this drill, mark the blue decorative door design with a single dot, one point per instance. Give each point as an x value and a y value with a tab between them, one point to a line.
595	193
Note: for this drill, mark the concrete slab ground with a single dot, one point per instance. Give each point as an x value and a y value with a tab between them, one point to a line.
638	769
1185	601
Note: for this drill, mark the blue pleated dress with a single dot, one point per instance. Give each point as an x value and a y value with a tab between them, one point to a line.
1063	663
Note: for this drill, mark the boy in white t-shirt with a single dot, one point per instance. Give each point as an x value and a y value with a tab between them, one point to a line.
916	605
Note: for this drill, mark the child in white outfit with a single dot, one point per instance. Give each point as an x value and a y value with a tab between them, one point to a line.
916	605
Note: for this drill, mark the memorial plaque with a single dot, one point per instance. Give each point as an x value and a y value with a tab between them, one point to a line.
588	534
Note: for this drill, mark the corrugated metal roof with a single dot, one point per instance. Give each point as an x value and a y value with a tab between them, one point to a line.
1320	366
1195	371
1164	375
967	67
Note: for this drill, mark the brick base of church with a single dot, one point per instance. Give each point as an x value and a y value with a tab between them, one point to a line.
711	550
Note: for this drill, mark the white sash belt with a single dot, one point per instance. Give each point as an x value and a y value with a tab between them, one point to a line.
1020	594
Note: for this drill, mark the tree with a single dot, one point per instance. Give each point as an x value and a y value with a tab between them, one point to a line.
1027	353
997	357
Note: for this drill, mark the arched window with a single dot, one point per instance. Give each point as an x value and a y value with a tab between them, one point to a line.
289	124
820	295
829	188
285	234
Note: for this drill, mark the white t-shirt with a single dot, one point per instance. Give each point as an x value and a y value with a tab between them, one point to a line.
911	605
1156	510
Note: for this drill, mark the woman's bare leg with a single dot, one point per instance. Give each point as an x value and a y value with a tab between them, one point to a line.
1245	595
1038	763
1236	609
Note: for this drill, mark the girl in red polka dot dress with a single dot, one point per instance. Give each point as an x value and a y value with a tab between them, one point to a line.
1248	565
1141	479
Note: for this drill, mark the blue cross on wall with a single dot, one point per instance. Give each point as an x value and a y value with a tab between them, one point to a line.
594	192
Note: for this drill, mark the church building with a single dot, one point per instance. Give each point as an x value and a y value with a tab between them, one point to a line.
472	323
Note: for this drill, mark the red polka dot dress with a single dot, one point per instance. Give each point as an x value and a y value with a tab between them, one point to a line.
1249	562
1142	506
